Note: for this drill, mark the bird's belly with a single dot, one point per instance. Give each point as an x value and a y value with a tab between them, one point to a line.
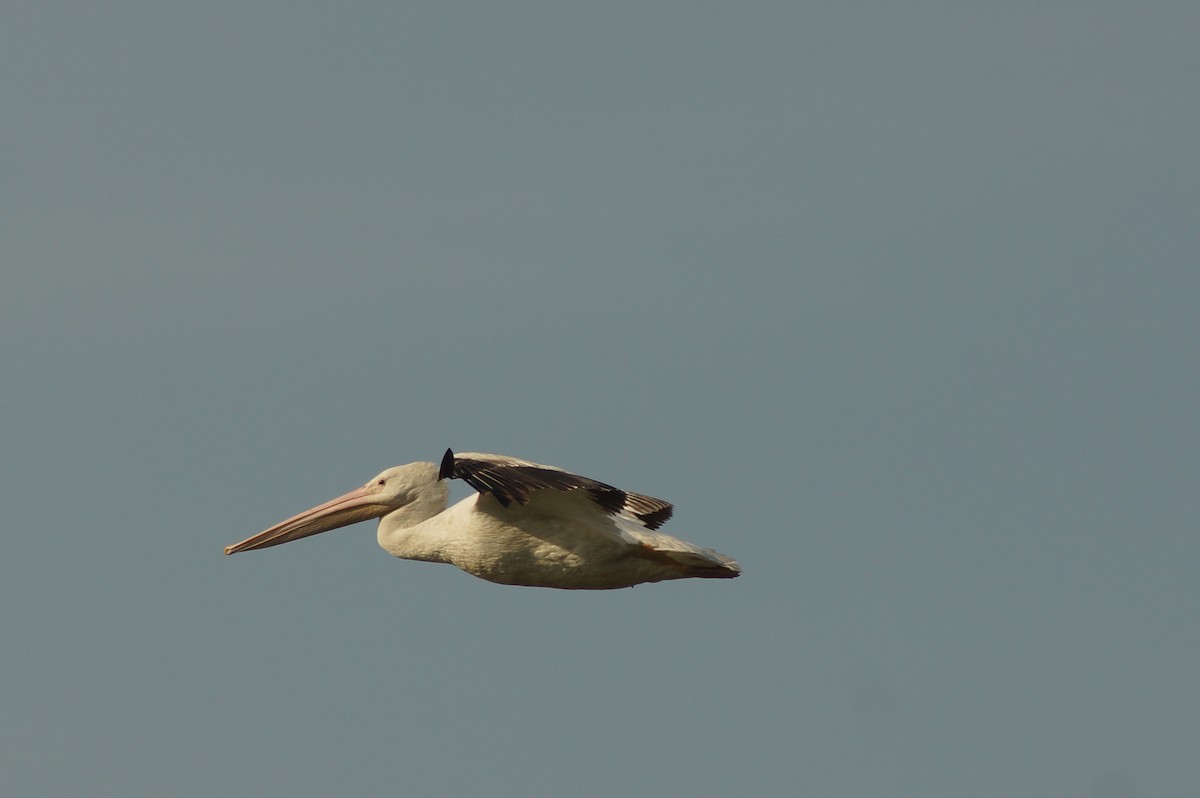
553	555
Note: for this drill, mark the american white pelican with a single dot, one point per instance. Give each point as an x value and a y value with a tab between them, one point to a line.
530	525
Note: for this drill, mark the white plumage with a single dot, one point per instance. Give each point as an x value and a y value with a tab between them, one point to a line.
530	524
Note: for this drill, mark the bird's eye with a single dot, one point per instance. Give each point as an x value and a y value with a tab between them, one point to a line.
381	482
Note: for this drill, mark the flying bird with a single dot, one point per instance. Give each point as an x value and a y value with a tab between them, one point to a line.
530	524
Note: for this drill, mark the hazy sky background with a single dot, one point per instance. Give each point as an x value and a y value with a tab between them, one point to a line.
897	302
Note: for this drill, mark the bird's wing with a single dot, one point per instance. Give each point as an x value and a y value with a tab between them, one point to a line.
509	480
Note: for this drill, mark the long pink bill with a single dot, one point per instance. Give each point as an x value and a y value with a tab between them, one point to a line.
360	504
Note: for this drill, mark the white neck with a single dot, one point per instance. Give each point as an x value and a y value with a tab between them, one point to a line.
404	533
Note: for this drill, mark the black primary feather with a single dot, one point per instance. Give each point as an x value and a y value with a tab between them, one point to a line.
511	481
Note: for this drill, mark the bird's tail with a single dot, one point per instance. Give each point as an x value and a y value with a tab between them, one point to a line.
717	566
703	563
687	558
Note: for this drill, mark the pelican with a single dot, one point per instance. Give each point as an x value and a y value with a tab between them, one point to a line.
529	524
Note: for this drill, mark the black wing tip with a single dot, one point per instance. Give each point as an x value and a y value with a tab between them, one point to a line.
656	518
476	474
446	470
610	500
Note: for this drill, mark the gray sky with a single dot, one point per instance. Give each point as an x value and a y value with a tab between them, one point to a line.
895	302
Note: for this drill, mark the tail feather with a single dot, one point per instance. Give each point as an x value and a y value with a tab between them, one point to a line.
704	563
688	558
